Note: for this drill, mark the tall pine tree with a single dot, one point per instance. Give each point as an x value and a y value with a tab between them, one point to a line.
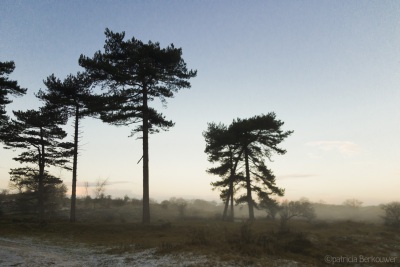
134	74
73	96
221	147
249	142
259	137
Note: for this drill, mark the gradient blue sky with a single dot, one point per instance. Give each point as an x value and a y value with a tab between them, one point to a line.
329	69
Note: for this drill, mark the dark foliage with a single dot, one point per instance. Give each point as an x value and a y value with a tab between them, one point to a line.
38	134
7	87
392	214
241	150
135	73
222	148
74	98
27	179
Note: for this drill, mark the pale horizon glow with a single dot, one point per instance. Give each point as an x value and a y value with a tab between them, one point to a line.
329	69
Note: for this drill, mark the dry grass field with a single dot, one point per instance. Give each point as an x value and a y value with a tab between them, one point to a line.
258	243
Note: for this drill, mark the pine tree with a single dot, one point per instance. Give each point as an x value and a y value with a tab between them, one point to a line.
248	142
221	147
27	180
259	138
72	96
134	74
38	134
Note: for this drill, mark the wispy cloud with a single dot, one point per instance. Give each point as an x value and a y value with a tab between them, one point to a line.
345	148
93	184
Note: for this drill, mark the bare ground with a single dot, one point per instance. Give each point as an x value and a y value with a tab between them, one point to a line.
30	252
34	252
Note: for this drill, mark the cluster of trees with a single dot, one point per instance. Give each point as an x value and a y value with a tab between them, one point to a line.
131	74
240	150
352	202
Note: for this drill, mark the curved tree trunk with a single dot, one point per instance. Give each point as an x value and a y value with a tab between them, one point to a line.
228	197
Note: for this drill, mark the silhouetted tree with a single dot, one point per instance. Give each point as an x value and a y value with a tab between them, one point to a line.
289	210
99	190
181	205
7	87
392	214
259	138
74	97
353	203
249	141
262	182
39	134
222	147
271	206
27	179
136	73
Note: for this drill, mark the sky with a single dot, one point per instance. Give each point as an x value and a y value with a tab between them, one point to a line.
330	70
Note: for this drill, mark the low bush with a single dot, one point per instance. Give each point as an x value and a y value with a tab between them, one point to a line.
392	214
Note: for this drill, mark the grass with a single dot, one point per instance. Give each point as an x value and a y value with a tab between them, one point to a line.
256	243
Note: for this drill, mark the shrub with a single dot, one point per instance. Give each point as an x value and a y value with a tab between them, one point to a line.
300	244
392	214
246	234
352	202
292	209
2	199
271	206
198	236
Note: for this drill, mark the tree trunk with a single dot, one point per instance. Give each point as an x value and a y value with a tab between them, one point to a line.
230	192
248	185
146	197
232	216
224	214
41	195
228	196
41	178
72	217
